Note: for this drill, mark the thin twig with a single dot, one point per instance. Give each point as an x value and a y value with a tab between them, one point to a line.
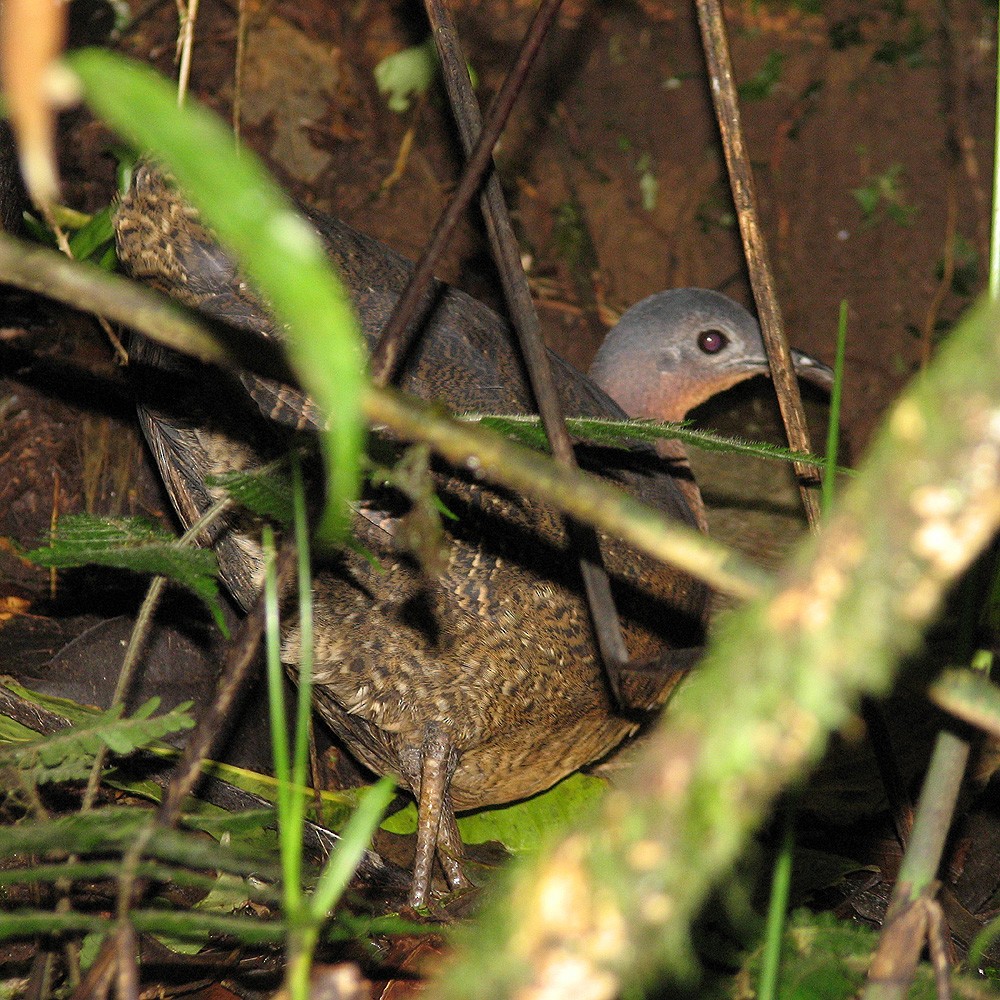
720	72
947	275
242	28
188	15
907	924
955	84
507	255
239	659
398	333
37	269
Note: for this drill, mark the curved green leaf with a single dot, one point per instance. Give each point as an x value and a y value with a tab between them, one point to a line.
279	251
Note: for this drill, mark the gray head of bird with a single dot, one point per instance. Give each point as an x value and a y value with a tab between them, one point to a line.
676	349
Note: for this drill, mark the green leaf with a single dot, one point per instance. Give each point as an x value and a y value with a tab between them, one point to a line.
520	827
867	198
762	84
69	754
229	893
624	433
406	73
355	839
133	544
262	492
37	229
279	251
66	708
14	732
95	235
90	948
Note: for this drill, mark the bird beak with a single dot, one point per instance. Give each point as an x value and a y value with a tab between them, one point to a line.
811	370
806	367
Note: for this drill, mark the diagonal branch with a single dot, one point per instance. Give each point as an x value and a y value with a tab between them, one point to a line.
587	498
507	255
720	72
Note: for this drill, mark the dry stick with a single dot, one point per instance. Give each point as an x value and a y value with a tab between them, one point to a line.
903	936
242	30
128	968
947	274
96	984
188	770
720	72
239	658
188	14
40	270
507	255
904	931
399	331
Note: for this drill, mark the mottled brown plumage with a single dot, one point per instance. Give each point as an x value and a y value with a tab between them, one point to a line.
477	686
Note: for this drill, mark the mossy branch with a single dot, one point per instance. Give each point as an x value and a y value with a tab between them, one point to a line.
609	906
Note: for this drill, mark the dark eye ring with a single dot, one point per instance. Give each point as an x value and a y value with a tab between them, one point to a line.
712	341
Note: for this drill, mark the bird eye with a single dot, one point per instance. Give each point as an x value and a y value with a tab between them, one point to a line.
712	341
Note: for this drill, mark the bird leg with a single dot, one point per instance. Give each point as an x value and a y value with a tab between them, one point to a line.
450	849
435	817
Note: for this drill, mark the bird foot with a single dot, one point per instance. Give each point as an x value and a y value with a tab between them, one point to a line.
437	832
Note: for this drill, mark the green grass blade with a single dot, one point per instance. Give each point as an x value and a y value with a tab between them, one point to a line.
833	428
290	835
354	841
97	234
134	544
281	254
994	283
777	911
623	434
303	711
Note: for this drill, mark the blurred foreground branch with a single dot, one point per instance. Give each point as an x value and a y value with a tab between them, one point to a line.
609	906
